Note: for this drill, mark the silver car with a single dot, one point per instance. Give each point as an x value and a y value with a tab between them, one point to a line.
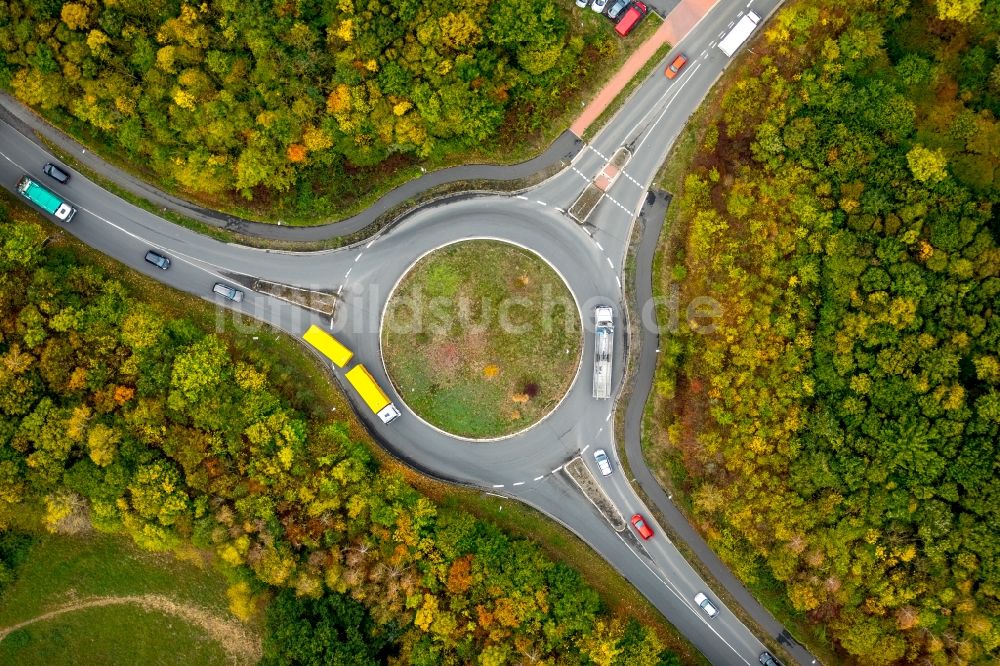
226	291
617	9
706	605
599	6
603	462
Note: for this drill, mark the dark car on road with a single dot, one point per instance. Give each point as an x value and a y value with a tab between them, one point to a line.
767	659
157	260
55	172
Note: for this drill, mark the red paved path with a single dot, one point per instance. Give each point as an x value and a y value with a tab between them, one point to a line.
677	24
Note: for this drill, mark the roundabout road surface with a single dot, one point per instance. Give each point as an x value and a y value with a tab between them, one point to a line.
529	466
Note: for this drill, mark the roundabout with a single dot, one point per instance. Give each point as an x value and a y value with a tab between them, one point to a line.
487	336
529	455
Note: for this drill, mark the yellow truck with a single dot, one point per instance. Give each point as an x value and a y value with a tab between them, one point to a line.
372	393
328	346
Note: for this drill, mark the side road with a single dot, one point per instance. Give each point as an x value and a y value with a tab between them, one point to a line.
652	219
25	120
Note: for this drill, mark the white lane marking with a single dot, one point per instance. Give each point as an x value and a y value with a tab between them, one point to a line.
358	258
617	203
518	483
600	154
560	210
649	132
673	590
540	203
607	418
521	197
557	469
340	289
498	485
609	263
584	449
632	179
599	246
539	478
348	273
619	281
370	243
580	174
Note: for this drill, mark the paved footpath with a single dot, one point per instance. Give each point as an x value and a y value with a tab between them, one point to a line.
678	23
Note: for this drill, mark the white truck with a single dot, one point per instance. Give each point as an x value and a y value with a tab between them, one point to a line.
604	344
739	34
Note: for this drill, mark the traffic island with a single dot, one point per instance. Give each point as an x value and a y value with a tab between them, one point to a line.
481	339
584	479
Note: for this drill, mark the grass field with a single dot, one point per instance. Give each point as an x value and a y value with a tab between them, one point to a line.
482	338
61	571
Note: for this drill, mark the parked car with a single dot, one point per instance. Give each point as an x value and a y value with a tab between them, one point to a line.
599	6
675	65
631	18
226	291
767	659
603	462
706	605
617	9
55	172
158	260
641	527
582	3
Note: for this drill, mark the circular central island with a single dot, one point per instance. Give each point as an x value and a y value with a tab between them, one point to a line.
481	339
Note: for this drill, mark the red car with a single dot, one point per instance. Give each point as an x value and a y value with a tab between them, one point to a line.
676	65
641	527
631	18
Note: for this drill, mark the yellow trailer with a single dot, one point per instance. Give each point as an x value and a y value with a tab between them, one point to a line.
372	393
328	345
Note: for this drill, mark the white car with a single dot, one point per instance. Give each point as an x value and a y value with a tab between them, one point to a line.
706	605
603	462
599	6
582	3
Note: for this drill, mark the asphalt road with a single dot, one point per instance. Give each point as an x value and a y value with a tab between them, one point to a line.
589	257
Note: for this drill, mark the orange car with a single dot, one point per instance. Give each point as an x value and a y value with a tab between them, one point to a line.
676	65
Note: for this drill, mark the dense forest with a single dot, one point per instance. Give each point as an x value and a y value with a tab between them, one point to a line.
837	434
267	97
119	416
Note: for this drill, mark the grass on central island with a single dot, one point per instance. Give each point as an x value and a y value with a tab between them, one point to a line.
482	338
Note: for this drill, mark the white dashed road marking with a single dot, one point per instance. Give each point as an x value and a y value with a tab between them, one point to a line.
539	478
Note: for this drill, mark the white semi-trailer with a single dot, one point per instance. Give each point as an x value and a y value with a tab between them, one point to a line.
739	34
604	342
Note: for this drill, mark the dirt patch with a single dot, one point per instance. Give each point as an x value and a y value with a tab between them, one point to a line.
583	478
322	302
241	646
